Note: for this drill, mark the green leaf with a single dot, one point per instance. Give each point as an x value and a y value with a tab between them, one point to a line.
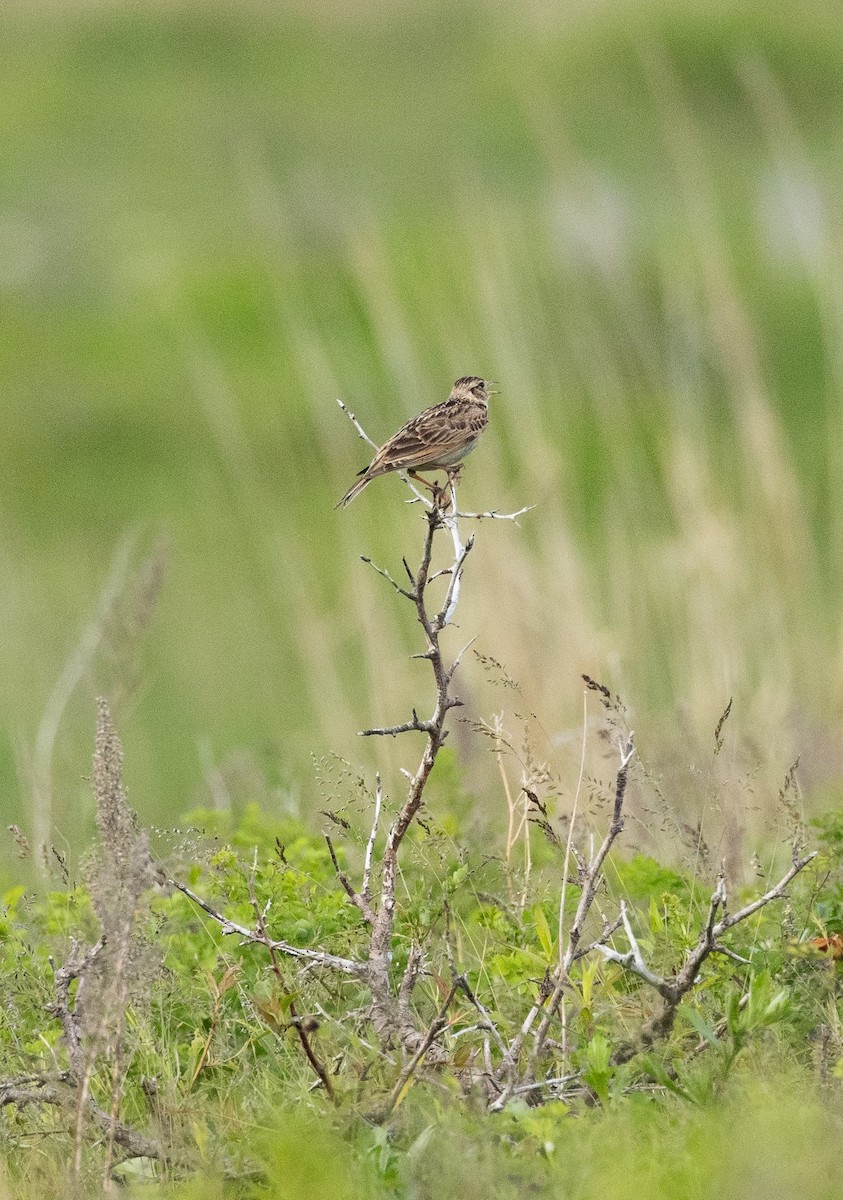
542	931
706	1031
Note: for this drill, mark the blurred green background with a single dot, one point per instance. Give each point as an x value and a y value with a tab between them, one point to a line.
214	220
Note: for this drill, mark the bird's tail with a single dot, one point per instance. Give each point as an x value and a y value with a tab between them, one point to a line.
354	490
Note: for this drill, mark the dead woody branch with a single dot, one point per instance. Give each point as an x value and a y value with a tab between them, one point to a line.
392	1012
509	1079
674	988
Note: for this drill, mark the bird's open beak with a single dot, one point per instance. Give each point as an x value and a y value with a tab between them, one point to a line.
492	387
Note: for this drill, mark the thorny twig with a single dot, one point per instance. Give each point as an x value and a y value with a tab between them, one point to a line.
317	958
434	729
674	988
391	1008
361	432
391	1012
366	889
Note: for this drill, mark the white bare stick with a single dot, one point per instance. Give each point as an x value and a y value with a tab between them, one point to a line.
453	667
571	824
674	988
450	522
366	891
633	959
360	430
452	597
494	515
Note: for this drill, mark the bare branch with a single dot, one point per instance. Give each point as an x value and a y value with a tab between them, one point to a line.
774	893
452	596
384	1011
318	958
459	657
406	1075
494	515
355	897
717	948
413	726
609	928
673	989
384	574
361	432
77	965
366	891
633	960
486	1023
57	1091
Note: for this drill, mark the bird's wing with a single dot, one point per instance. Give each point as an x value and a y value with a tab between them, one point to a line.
434	433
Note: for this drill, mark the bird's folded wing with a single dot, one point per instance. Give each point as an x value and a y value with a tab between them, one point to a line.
432	435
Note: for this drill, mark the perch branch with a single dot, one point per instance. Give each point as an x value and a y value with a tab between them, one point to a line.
389	1015
494	515
354	896
409	1071
361	432
415	725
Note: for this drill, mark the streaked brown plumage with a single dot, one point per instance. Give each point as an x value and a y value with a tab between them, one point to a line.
436	440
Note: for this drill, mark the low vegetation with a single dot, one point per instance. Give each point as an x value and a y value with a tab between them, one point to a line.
391	1009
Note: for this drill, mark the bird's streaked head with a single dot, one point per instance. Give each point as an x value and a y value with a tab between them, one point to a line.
472	387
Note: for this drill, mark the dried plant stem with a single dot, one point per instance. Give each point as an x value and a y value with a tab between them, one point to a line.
432	624
510	803
550	995
567	862
72	673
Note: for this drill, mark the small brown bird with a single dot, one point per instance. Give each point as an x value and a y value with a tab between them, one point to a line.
438	439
